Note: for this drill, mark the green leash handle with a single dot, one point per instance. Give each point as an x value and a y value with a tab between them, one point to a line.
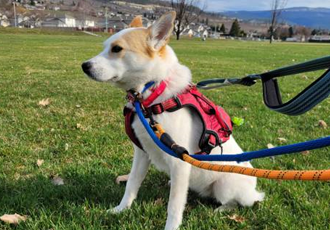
318	91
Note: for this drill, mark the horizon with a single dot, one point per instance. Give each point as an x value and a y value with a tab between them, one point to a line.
257	5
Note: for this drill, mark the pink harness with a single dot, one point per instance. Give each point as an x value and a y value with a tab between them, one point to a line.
217	125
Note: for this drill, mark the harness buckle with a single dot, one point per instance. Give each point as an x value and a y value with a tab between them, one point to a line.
133	96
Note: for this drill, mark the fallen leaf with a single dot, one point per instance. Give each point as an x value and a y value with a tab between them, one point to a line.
323	124
282	140
13	219
159	201
270	146
78	106
57	181
44	102
40	162
305	153
66	147
122	178
237	218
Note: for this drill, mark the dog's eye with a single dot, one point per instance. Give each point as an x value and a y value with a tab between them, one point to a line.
116	49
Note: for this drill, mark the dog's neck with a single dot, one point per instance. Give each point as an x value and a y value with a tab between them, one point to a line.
177	76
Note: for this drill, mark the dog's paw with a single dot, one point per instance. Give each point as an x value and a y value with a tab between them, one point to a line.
122	178
226	208
116	210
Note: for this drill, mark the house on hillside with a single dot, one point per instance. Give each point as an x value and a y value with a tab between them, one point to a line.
84	22
4	21
320	38
59	21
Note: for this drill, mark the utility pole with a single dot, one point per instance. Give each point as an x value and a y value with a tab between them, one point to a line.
106	19
15	13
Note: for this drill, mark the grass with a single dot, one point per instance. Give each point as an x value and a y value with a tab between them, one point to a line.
81	138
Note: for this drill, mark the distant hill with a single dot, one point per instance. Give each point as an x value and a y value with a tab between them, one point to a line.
309	17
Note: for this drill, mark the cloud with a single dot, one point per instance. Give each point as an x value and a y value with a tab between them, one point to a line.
223	5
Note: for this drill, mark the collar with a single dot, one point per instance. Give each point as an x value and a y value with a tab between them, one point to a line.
155	93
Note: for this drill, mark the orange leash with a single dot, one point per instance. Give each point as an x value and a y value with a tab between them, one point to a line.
312	175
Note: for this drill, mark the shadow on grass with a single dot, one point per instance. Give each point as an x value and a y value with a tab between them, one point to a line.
96	189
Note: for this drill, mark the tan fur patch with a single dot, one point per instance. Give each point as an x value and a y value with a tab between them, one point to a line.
136	22
137	41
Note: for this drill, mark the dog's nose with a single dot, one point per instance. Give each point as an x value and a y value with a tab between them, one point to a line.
86	66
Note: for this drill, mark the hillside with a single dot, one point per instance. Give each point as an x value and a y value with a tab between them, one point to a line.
309	17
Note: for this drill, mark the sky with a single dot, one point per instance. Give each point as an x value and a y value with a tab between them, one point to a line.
252	5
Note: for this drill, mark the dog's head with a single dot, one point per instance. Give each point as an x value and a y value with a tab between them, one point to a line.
134	56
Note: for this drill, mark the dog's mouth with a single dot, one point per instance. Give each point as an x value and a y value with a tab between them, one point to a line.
113	79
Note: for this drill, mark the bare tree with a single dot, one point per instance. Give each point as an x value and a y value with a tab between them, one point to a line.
276	11
187	11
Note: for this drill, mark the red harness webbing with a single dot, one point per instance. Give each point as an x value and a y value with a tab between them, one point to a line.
217	125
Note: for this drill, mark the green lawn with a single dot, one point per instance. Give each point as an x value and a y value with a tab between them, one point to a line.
80	136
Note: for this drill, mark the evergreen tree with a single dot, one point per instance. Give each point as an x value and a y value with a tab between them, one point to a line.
207	21
223	29
314	32
235	29
291	32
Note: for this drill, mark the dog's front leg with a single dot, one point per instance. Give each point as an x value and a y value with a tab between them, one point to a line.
180	173
138	173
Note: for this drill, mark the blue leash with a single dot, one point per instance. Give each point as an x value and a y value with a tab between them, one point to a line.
299	147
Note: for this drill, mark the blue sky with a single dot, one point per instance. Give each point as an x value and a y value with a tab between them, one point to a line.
223	5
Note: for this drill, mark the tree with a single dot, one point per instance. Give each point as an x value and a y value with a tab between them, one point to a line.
207	21
223	28
276	11
314	32
235	29
291	32
284	33
187	11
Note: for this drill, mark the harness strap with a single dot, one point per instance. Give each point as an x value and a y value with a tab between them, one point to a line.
129	117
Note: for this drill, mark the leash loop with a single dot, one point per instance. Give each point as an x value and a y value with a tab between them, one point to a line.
315	93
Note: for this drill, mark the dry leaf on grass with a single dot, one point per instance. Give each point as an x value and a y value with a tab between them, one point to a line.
270	146
323	124
237	218
13	219
159	201
305	153
122	178
44	102
40	162
81	127
56	180
282	140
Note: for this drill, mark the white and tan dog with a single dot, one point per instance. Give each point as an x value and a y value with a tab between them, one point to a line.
138	55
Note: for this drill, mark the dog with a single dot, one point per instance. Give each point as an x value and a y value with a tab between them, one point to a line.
130	59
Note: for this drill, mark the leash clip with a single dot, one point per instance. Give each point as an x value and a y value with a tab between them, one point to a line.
133	96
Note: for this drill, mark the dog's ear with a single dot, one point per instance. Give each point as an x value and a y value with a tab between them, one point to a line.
160	32
136	22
